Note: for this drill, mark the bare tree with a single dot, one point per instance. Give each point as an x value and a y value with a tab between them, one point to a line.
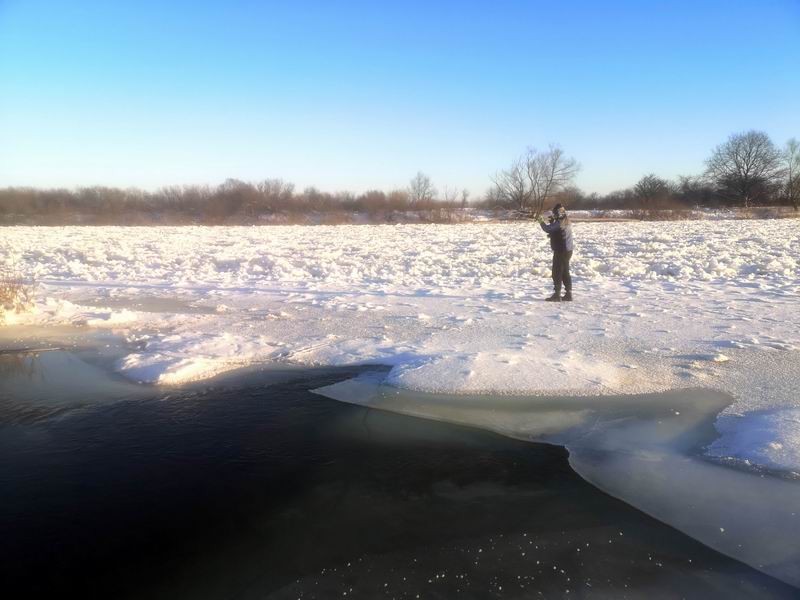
651	189
450	195
464	198
421	191
694	190
276	194
550	172
746	168
791	161
492	197
534	178
512	186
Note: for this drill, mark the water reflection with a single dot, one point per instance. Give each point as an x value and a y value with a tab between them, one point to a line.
40	384
20	363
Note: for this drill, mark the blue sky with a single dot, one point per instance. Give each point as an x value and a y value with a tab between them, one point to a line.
360	95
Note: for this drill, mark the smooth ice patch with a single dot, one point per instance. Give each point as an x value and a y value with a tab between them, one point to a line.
507	372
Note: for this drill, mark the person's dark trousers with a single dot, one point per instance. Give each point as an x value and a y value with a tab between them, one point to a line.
561	271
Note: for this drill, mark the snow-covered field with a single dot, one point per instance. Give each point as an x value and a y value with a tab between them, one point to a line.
659	306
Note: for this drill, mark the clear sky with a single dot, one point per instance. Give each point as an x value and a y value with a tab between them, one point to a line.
359	95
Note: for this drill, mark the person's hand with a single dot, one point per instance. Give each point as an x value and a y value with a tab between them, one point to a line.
539	219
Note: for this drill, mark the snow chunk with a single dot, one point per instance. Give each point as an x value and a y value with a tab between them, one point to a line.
175	359
769	438
172	370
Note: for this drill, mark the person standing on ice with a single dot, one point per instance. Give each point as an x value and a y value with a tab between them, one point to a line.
559	228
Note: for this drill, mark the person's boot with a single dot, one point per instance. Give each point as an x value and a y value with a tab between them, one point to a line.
567	296
554	298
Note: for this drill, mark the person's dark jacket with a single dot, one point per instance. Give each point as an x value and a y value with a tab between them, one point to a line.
560	232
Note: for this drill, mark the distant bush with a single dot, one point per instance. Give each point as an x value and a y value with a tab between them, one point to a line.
16	294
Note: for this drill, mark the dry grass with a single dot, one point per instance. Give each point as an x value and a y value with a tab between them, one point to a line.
16	294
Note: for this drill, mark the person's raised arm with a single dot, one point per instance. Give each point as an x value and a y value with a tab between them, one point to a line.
554	225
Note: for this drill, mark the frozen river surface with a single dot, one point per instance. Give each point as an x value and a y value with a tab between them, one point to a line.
452	309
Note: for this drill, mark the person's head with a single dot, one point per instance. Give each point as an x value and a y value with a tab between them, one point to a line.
559	212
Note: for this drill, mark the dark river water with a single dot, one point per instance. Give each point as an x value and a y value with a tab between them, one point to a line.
250	486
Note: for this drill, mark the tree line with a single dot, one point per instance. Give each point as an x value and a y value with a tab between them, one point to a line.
746	170
232	202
